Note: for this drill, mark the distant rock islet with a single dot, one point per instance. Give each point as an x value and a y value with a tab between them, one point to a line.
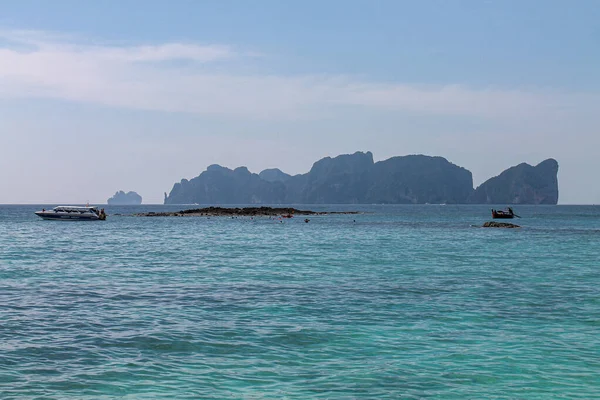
121	198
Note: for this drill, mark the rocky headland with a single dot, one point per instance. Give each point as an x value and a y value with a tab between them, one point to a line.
521	184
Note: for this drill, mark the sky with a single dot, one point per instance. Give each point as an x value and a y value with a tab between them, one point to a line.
97	97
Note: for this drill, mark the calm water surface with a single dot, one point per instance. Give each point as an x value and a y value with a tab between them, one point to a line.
401	301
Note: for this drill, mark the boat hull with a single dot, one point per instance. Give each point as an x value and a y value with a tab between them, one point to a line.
54	216
501	215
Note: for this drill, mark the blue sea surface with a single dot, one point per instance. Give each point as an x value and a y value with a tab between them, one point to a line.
396	302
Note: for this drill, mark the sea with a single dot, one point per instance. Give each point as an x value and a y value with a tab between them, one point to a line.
399	301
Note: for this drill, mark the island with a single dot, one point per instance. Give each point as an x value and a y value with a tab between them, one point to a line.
345	179
121	198
358	179
286	212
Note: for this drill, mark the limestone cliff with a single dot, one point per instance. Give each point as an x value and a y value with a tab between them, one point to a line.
521	184
350	178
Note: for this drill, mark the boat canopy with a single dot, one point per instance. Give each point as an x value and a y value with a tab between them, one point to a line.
74	209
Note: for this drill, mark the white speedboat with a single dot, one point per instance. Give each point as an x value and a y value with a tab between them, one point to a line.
70	213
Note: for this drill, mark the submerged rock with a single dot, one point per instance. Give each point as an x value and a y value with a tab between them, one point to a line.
494	224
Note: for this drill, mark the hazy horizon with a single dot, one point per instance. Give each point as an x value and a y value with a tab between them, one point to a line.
255	172
96	98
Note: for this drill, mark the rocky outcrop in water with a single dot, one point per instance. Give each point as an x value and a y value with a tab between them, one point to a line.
121	198
241	212
494	224
521	184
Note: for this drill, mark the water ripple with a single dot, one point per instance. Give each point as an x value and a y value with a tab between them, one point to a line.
404	302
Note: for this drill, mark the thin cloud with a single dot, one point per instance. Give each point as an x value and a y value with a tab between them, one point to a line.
68	45
184	77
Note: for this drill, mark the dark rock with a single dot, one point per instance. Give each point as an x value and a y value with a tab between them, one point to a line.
521	184
241	212
122	198
494	224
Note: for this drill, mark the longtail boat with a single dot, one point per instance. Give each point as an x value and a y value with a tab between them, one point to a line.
503	214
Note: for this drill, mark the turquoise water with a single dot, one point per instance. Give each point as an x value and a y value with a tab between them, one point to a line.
402	301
